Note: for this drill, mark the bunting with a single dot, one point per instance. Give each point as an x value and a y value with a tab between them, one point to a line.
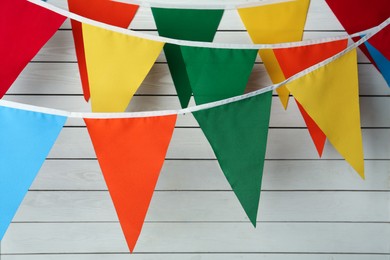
117	64
238	132
26	29
360	15
296	59
216	74
275	23
330	95
131	152
184	24
106	11
25	140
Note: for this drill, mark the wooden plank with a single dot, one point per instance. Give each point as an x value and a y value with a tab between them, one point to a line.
53	238
190	143
210	206
61	46
320	17
192	256
315	175
373	109
63	78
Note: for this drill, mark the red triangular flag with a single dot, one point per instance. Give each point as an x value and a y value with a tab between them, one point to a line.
105	11
24	29
359	15
131	152
296	59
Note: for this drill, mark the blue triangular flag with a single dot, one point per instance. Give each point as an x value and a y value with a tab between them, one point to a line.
26	138
381	61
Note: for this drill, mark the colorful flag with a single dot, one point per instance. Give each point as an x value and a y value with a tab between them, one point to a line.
105	11
116	64
131	152
24	29
275	23
216	74
184	24
295	59
26	138
330	95
360	15
238	134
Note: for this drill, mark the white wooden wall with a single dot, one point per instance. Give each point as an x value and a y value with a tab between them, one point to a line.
310	208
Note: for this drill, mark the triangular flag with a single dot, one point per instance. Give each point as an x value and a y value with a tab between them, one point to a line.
318	137
184	24
295	59
105	11
25	140
24	29
330	95
275	23
117	64
131	152
238	134
359	15
217	74
381	61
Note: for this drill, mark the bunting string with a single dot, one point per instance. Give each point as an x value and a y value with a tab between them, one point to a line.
194	43
367	36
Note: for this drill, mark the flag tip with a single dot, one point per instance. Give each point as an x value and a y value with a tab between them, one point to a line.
131	245
254	223
360	170
253	220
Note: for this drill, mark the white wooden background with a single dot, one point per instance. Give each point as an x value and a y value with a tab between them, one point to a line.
310	208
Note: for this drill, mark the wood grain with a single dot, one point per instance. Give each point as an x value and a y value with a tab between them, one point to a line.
209	206
48	238
205	175
190	143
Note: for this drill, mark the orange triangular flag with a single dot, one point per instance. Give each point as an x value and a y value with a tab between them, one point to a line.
131	152
105	11
295	59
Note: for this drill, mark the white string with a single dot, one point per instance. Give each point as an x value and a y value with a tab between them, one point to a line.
11	104
187	43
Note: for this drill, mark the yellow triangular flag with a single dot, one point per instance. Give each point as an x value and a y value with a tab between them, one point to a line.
116	64
330	95
275	23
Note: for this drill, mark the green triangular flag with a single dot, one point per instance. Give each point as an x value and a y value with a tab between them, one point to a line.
184	24
217	74
238	134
